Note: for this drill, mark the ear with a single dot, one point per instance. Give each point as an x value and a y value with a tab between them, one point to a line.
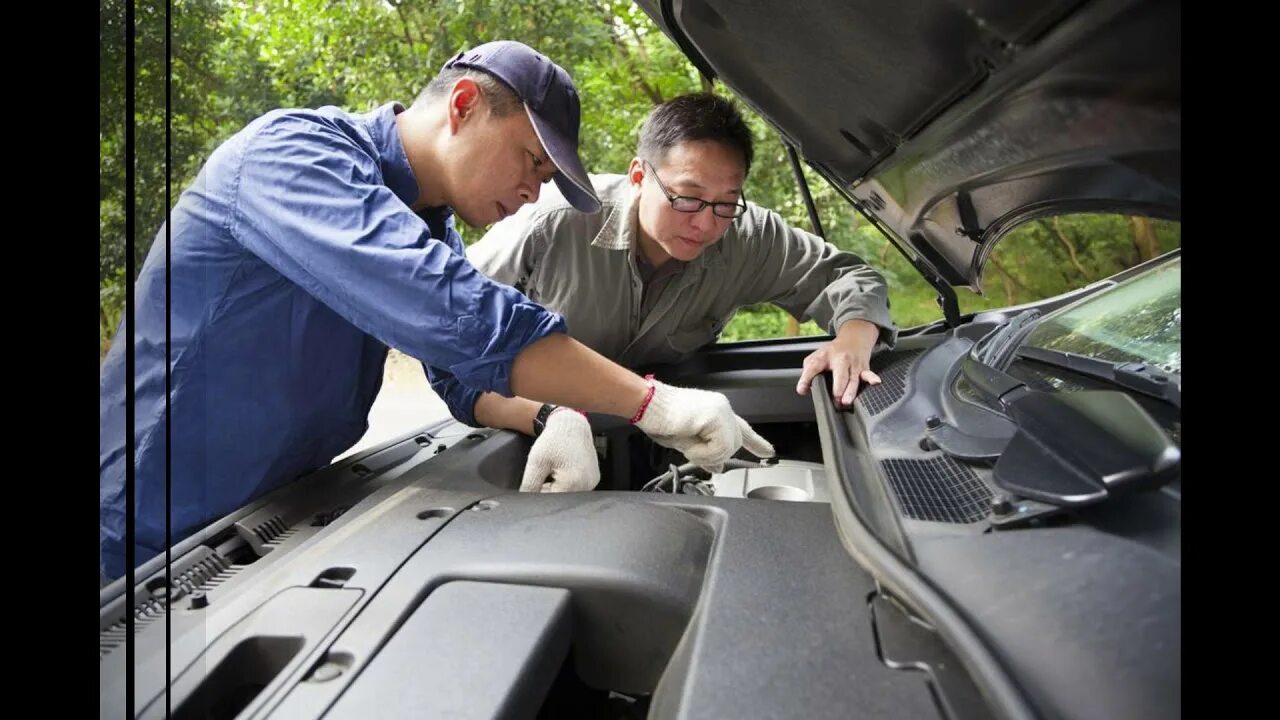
636	172
464	100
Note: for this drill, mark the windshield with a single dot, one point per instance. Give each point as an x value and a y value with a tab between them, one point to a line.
1139	320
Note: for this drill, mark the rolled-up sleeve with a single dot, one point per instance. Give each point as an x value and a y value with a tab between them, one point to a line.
311	203
813	279
460	399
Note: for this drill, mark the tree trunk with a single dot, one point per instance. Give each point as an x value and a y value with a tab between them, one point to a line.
1144	238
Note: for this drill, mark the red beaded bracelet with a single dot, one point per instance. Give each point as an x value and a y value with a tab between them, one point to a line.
648	396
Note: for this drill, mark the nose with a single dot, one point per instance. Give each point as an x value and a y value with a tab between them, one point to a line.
703	220
529	193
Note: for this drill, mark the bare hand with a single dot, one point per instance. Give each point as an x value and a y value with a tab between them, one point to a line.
848	357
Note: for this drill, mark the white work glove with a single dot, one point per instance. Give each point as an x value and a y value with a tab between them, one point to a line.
700	424
563	458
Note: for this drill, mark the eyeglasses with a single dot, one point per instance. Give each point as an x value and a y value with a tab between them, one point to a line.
686	204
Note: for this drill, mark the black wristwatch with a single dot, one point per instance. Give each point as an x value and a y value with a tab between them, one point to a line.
540	420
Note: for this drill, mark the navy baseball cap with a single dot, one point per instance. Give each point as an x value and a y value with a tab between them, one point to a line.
550	99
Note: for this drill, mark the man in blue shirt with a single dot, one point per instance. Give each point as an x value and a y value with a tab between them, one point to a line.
314	239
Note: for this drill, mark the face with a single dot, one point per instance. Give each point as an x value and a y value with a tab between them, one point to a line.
707	170
496	164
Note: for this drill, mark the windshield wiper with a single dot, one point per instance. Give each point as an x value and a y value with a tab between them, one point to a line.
996	348
1139	376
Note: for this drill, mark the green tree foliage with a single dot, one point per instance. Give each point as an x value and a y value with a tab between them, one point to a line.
1049	256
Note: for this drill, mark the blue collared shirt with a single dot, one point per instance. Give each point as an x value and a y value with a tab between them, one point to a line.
296	262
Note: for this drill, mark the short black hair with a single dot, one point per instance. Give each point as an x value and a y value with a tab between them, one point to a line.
503	101
690	118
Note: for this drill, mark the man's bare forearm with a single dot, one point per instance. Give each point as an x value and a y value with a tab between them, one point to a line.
863	333
560	370
517	413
